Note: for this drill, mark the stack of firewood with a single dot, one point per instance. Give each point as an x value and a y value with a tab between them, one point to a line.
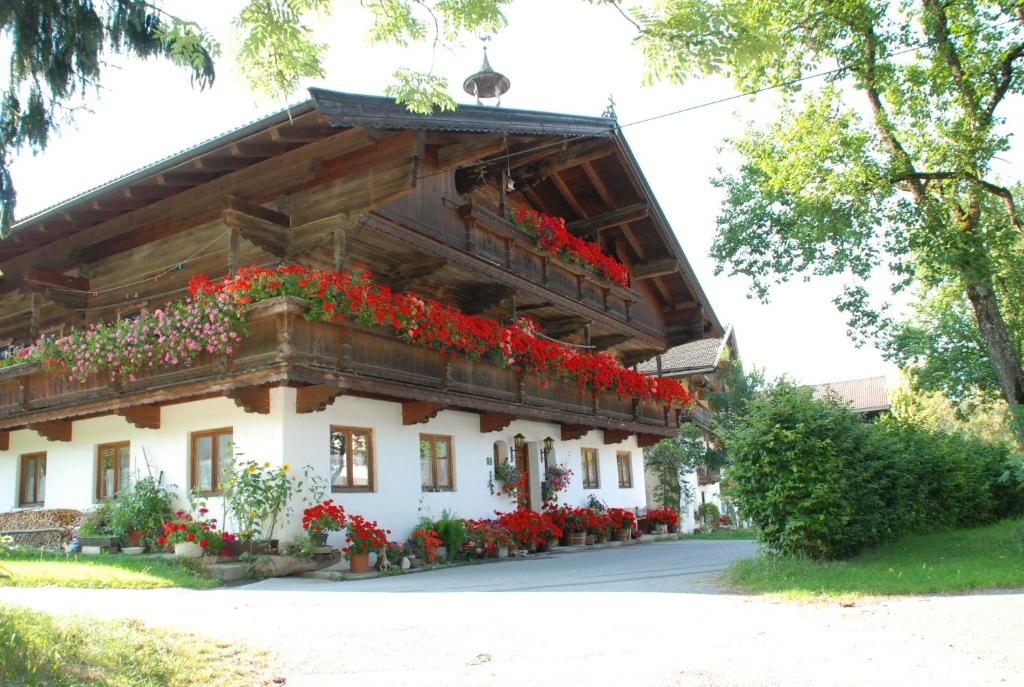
49	529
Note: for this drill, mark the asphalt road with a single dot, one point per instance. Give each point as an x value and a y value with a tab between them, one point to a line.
642	615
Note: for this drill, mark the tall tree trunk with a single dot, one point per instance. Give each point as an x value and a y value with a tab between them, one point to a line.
1004	354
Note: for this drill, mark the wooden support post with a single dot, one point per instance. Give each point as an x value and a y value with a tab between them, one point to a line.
418	412
340	247
615	436
232	251
494	422
144	416
571	432
315	398
5	441
34	324
252	399
54	430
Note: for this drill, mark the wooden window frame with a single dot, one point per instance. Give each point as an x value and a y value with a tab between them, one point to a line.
628	455
193	472
23	501
117	471
433	463
372	480
596	484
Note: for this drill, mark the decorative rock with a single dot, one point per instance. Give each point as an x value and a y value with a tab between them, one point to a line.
406	563
91	550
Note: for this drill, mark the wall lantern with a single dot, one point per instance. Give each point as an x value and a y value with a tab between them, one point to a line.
519	441
549	446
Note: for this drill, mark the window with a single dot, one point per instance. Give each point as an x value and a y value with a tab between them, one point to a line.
436	466
351	459
625	463
590	476
32	491
112	465
211	457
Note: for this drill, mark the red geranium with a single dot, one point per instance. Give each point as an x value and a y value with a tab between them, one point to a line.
323	517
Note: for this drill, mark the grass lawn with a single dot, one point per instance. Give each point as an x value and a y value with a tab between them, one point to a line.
723	534
989	557
34	569
43	649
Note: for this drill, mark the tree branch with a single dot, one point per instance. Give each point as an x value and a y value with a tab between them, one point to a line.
1005	79
947	49
994	189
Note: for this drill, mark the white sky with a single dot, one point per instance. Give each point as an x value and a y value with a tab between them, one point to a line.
567	57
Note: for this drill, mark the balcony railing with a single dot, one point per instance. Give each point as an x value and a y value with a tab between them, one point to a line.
282	347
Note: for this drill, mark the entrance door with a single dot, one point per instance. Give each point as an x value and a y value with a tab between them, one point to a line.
523	466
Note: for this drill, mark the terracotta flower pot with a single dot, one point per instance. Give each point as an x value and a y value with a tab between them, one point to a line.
187	549
359	562
622	534
577	539
134	538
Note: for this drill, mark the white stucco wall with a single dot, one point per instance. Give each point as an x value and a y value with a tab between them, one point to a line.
286	437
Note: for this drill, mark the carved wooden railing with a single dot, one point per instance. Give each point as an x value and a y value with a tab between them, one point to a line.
280	342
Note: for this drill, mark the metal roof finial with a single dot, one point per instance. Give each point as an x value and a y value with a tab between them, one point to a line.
609	111
486	83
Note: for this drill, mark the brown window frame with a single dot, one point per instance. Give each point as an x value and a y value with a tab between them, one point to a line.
433	463
217	468
584	452
348	460
117	471
628	455
23	501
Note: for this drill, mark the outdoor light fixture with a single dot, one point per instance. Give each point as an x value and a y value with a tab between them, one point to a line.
519	440
549	446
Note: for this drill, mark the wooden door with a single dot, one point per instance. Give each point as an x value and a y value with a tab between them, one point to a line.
523	465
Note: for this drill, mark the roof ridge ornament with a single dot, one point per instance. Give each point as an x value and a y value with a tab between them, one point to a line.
486	83
609	110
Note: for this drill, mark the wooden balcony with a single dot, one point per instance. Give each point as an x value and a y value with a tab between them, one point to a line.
324	361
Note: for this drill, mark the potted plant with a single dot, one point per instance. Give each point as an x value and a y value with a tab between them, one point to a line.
96	528
321	519
363	536
139	511
427	544
663	520
256	498
192	538
452	532
622	522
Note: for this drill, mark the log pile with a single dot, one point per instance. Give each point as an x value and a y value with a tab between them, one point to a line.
41	528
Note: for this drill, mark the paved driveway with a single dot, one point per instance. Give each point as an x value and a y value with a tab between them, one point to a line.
645	615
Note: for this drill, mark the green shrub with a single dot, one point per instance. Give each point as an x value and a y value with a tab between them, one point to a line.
708	515
143	506
818	481
452	533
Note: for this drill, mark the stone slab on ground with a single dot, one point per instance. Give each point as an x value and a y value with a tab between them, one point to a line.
229	572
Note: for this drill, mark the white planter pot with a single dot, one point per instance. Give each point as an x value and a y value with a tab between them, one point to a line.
187	549
502	552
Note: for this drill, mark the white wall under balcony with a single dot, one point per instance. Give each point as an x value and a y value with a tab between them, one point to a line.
286	437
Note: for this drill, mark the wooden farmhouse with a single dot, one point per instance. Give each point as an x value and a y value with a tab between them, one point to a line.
423	202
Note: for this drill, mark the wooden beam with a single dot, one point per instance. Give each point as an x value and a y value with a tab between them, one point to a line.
5	441
296	133
494	422
615	436
563	326
571	432
119	203
655	268
259	148
63	281
260	212
418	412
315	398
53	430
631	358
477	298
623	215
185	178
142	416
252	399
400	277
225	164
606	341
569	196
470	150
645	440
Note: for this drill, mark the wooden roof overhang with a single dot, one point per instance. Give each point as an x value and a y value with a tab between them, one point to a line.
577	167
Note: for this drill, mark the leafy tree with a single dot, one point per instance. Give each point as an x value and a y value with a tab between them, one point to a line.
888	164
58	46
737	389
672	459
931	410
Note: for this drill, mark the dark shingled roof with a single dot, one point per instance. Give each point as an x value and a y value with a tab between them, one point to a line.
862	395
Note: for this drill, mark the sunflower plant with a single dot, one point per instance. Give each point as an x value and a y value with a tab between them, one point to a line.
257	496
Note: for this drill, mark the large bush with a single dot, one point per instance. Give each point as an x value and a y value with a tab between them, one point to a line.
818	481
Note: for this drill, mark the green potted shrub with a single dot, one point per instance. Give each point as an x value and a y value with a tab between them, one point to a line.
257	497
452	533
707	516
139	512
97	529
